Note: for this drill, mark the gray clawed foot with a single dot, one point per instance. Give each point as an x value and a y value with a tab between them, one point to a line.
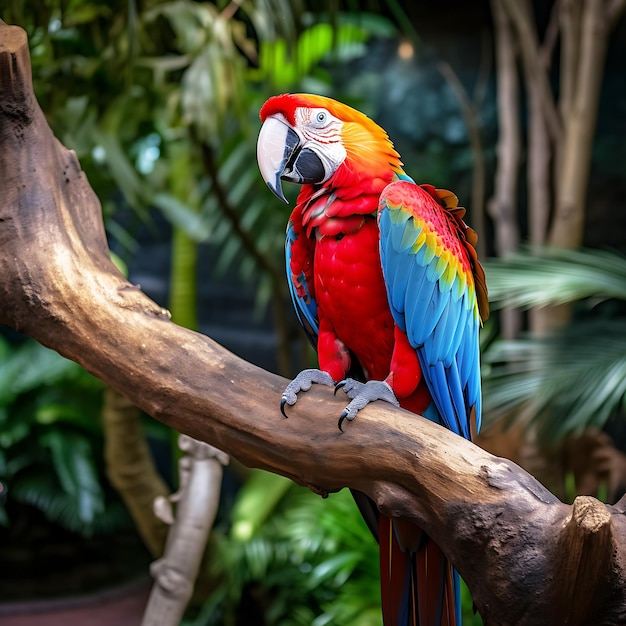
362	394
303	382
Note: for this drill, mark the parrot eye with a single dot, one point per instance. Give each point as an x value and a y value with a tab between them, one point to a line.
320	118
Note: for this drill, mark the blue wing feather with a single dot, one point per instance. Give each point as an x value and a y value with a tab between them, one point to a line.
416	307
438	314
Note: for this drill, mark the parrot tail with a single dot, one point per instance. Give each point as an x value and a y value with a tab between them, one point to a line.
419	586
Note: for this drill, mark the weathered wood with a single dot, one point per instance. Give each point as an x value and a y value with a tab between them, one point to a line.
519	549
587	533
197	501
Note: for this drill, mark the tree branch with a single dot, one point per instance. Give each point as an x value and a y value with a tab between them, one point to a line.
197	500
509	537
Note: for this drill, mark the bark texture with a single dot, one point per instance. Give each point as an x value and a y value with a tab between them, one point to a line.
527	557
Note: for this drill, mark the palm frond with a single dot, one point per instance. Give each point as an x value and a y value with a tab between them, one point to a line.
564	383
538	277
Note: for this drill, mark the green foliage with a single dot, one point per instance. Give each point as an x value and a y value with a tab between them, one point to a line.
572	379
539	277
307	560
286	67
50	441
468	611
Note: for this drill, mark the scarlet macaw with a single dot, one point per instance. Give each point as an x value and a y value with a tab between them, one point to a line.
385	280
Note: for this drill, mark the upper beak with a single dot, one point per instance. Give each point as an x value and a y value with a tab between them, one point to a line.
276	145
281	156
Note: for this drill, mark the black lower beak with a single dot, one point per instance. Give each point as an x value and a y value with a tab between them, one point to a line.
307	167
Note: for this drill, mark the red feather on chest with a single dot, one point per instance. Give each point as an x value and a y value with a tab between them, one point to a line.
351	296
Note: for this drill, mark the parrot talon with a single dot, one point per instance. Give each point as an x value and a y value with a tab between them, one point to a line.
352	388
303	382
339	386
345	415
362	394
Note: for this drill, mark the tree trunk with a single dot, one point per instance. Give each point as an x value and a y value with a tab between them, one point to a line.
560	135
503	207
579	122
519	549
130	468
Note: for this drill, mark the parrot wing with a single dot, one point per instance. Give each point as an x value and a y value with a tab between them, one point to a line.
437	293
299	251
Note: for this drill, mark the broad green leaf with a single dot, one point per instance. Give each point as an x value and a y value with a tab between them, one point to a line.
255	501
73	461
29	366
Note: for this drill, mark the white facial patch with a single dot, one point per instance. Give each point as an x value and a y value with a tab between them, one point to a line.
321	132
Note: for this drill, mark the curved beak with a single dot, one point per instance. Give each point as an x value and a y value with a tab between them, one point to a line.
280	156
274	149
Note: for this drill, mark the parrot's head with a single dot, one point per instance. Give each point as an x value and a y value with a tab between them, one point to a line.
314	140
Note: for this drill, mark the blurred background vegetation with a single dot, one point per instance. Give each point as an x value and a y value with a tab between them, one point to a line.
160	101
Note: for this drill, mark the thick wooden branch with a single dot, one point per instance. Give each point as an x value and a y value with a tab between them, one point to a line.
522	552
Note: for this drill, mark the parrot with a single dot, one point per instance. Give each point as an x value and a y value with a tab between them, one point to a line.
386	283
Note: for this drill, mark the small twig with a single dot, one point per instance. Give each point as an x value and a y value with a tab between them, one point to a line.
264	262
614	11
550	38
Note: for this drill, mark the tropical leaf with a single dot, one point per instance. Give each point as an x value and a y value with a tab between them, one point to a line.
29	366
574	378
73	462
565	383
182	216
314	560
548	277
43	492
255	502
